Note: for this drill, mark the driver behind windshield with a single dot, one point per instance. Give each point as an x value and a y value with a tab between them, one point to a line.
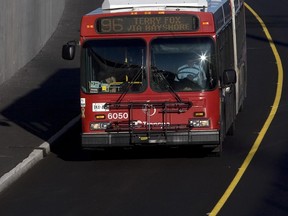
192	71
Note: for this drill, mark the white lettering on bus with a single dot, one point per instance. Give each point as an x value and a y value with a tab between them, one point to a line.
156	124
119	115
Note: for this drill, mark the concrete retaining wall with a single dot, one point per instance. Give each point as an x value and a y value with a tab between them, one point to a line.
25	26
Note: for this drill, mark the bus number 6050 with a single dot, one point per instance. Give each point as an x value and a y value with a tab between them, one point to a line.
118	115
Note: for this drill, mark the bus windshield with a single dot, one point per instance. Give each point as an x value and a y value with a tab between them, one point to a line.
176	63
113	66
182	64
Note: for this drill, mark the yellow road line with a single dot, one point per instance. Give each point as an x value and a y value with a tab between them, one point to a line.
265	127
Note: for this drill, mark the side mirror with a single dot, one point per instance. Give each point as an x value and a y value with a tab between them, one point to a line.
68	50
229	77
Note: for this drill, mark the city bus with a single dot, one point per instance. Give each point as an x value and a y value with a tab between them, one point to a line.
161	73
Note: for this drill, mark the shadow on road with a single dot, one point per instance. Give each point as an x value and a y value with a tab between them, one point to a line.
44	110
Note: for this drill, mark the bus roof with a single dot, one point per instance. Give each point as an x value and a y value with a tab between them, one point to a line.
190	5
136	4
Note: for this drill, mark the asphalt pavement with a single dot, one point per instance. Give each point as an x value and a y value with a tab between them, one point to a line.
41	101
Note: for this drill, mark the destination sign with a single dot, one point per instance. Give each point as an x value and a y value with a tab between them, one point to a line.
147	24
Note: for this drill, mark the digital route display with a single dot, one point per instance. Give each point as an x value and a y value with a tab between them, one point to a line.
147	24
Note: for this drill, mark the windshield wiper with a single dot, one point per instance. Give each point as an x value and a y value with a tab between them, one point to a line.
167	85
129	85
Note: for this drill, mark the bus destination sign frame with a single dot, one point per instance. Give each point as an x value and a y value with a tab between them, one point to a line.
147	24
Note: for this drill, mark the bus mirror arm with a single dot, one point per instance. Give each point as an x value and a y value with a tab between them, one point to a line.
68	50
229	77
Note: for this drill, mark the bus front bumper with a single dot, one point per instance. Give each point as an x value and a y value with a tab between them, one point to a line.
126	139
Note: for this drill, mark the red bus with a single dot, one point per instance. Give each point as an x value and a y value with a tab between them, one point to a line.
161	72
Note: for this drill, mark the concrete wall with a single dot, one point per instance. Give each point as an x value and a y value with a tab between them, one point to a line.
25	26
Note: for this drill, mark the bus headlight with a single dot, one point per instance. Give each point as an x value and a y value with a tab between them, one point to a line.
197	123
99	125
